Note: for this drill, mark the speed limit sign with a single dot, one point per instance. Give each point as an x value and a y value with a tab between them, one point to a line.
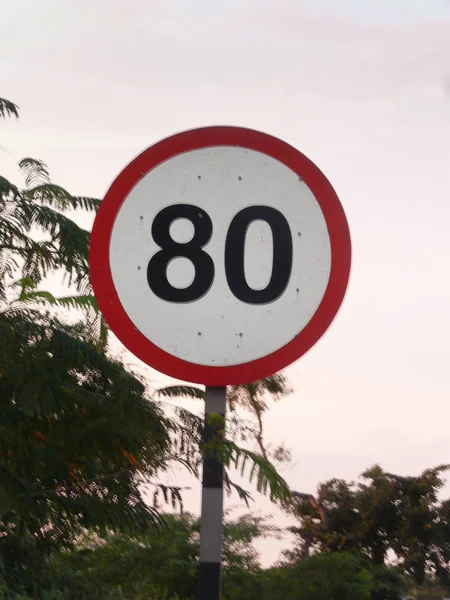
220	255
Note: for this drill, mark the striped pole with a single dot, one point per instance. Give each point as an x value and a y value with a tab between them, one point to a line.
211	525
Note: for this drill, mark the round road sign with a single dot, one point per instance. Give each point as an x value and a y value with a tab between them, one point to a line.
220	255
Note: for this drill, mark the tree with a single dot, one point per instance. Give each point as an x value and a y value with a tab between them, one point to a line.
80	433
334	576
189	434
160	563
253	397
41	208
241	561
382	513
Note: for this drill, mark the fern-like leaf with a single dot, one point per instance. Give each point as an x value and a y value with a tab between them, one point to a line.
35	172
180	391
8	109
267	477
243	494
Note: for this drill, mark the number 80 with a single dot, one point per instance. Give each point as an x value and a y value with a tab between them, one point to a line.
234	254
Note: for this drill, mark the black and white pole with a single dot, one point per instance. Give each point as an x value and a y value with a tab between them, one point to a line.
211	524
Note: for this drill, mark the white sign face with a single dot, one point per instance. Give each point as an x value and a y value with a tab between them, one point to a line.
220	256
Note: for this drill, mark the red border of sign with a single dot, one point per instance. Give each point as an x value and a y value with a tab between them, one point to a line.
112	308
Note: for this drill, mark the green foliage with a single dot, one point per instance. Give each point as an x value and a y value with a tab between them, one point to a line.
335	576
242	569
260	469
162	564
382	513
158	564
39	209
181	391
8	108
253	396
187	439
430	590
188	431
79	433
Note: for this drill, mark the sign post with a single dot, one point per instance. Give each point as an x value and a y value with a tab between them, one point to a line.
219	256
210	569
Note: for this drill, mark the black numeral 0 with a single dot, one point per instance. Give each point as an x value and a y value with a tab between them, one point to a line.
234	254
170	249
282	254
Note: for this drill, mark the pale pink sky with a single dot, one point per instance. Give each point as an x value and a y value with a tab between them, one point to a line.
363	89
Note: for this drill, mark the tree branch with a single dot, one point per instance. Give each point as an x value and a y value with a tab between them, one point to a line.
71	488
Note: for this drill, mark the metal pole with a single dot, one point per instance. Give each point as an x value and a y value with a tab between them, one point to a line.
211	525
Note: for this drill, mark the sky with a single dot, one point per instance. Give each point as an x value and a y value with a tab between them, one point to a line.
363	89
